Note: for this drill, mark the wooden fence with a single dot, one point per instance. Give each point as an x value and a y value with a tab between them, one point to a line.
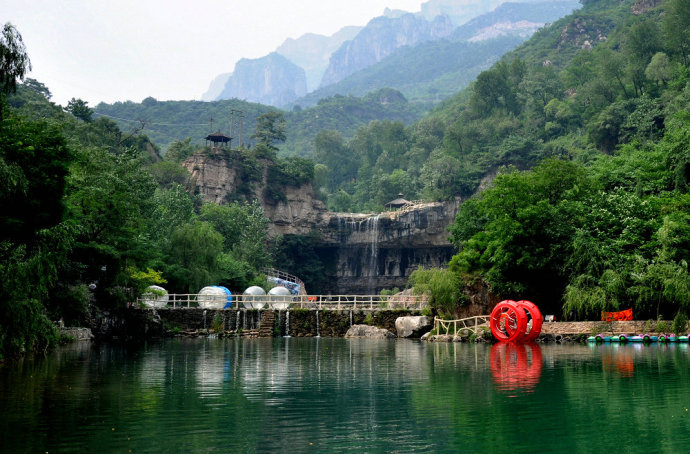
471	324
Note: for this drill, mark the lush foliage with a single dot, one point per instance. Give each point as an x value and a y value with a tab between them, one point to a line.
604	224
443	288
166	122
92	215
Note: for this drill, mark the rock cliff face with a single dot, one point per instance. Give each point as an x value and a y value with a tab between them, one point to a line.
219	176
311	52
380	38
367	252
272	80
375	252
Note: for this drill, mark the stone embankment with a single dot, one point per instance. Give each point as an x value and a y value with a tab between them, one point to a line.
255	323
561	332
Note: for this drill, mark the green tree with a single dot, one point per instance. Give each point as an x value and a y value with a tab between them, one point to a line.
659	68
180	150
330	150
14	61
442	287
80	109
194	251
677	27
270	129
38	87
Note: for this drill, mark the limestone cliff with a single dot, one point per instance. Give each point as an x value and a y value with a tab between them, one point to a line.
272	80
379	251
368	252
380	38
221	176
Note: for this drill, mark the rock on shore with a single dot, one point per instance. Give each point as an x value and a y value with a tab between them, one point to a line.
413	326
369	332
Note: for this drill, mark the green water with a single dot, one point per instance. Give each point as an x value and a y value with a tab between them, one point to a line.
338	395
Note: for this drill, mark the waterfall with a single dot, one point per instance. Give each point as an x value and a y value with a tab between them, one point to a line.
237	322
287	324
318	330
279	321
372	225
350	319
203	316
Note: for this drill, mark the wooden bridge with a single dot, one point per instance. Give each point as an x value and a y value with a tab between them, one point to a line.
279	302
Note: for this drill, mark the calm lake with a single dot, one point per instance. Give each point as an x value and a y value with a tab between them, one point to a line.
338	395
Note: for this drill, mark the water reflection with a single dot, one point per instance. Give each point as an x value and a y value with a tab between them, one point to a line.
516	366
620	361
340	395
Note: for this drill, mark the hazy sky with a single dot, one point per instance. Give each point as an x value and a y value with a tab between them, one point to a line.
118	50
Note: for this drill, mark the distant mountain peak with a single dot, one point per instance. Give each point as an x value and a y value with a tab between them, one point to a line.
272	80
312	51
380	38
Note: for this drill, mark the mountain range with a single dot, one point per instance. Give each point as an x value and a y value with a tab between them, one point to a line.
329	60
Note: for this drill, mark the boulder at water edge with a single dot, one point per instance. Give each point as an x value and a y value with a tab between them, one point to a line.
413	326
370	332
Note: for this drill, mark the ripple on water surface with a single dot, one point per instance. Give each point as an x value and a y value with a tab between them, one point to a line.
338	395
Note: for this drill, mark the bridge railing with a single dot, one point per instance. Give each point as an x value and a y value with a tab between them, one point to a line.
274	273
318	302
470	323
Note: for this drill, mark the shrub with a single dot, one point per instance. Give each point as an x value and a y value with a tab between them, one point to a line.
680	323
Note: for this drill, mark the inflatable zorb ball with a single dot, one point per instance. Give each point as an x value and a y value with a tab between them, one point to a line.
214	297
155	296
254	298
279	298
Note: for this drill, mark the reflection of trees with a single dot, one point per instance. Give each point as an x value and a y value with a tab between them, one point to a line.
633	386
268	395
573	408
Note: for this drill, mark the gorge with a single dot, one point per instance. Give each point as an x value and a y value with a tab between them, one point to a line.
365	253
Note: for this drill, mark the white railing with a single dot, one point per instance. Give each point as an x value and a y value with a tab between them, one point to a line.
319	302
272	272
471	324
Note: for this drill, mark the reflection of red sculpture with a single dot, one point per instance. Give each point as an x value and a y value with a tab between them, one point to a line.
516	366
510	321
620	361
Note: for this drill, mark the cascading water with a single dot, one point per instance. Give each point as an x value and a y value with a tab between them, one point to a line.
372	226
287	324
279	322
237	323
203	316
350	319
318	330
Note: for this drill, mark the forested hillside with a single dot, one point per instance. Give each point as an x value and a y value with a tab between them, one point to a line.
92	215
168	121
600	104
572	156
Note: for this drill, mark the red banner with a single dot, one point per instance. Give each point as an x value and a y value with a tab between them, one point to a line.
621	316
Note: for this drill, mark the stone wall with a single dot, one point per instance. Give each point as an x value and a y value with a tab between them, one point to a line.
302	322
572	328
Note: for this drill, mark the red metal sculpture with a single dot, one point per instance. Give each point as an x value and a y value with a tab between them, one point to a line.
519	321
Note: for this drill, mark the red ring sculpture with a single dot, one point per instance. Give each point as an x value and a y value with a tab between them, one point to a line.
510	321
